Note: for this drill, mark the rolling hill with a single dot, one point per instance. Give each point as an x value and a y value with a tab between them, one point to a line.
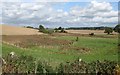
14	30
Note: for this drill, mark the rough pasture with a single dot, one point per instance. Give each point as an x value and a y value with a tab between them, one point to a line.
47	41
34	40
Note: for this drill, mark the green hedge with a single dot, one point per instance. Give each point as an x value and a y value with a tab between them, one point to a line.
28	64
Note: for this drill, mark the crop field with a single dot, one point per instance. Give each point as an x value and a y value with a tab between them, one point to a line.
60	49
15	30
99	32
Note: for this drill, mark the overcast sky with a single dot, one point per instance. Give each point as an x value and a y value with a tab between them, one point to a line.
55	14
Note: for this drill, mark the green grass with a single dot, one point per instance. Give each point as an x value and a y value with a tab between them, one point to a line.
100	49
51	55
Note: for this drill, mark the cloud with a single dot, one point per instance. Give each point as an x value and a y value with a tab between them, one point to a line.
56	0
107	14
100	14
96	6
95	14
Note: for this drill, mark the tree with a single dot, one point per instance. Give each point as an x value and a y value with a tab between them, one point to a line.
41	28
108	30
59	28
117	28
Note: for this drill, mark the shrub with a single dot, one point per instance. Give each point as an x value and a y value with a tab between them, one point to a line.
29	65
91	34
77	38
45	30
29	27
60	29
40	68
61	68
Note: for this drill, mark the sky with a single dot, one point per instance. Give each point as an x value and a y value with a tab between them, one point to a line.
55	14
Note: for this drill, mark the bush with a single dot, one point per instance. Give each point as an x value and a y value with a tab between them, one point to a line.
91	34
60	29
61	68
77	38
21	64
48	31
29	65
29	27
44	30
105	67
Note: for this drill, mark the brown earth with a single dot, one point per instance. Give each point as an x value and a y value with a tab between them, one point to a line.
26	41
14	30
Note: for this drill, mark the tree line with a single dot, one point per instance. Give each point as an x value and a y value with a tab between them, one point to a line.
86	28
108	30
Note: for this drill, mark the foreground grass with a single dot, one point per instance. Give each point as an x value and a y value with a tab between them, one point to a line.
100	49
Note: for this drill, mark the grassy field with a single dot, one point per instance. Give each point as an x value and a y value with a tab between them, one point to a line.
98	49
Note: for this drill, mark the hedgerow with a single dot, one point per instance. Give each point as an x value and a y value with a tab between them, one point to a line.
29	65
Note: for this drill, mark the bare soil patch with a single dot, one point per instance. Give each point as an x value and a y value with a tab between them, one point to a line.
26	41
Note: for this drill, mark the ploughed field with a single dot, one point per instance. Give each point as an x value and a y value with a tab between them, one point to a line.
26	41
60	49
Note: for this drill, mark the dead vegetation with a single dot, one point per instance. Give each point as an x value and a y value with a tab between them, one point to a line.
33	40
80	49
47	41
